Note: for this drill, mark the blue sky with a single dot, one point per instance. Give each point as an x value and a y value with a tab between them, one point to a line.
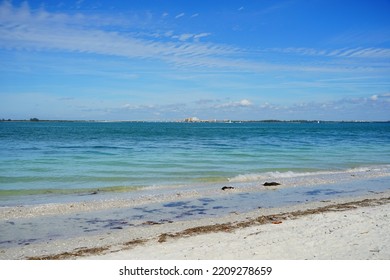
168	60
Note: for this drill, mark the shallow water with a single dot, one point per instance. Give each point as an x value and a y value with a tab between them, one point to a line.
56	159
58	162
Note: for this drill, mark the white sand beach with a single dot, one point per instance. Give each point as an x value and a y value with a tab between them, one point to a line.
353	228
360	233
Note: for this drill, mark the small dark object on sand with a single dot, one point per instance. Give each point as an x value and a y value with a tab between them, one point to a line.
151	223
269	184
227	188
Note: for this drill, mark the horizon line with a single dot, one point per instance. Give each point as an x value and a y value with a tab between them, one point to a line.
196	121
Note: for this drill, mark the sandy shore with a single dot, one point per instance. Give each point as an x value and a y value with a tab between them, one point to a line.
345	228
354	230
351	176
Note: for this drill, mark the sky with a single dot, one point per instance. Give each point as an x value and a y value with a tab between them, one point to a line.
169	60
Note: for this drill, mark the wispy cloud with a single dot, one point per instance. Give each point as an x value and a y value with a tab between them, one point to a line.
183	37
235	104
22	28
365	53
375	107
180	15
204	109
347	103
350	108
128	106
344	52
246	109
39	30
359	37
201	35
187	36
385	97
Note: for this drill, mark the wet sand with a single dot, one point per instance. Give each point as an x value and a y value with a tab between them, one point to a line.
183	223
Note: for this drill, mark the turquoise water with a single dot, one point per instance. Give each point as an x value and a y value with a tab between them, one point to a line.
56	162
76	157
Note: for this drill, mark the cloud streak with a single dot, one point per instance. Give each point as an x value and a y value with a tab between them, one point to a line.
381	53
188	36
236	104
24	29
385	97
180	15
21	28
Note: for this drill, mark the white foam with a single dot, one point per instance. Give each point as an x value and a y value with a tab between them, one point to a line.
267	175
251	177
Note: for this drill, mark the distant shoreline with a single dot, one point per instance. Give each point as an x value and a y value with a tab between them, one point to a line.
200	121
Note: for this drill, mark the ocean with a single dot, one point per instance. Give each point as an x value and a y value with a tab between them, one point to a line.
61	180
57	159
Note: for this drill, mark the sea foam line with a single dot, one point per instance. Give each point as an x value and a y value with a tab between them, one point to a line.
253	177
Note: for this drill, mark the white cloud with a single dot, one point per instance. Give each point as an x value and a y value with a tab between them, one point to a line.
184	37
24	29
380	97
201	35
180	15
195	15
344	52
187	36
245	103
271	107
346	108
137	107
168	33
362	53
235	104
341	109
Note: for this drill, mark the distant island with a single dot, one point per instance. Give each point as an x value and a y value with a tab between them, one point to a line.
197	120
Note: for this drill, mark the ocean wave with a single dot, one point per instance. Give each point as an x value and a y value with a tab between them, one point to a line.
266	175
251	177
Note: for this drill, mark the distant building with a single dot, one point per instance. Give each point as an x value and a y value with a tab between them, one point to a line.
193	119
